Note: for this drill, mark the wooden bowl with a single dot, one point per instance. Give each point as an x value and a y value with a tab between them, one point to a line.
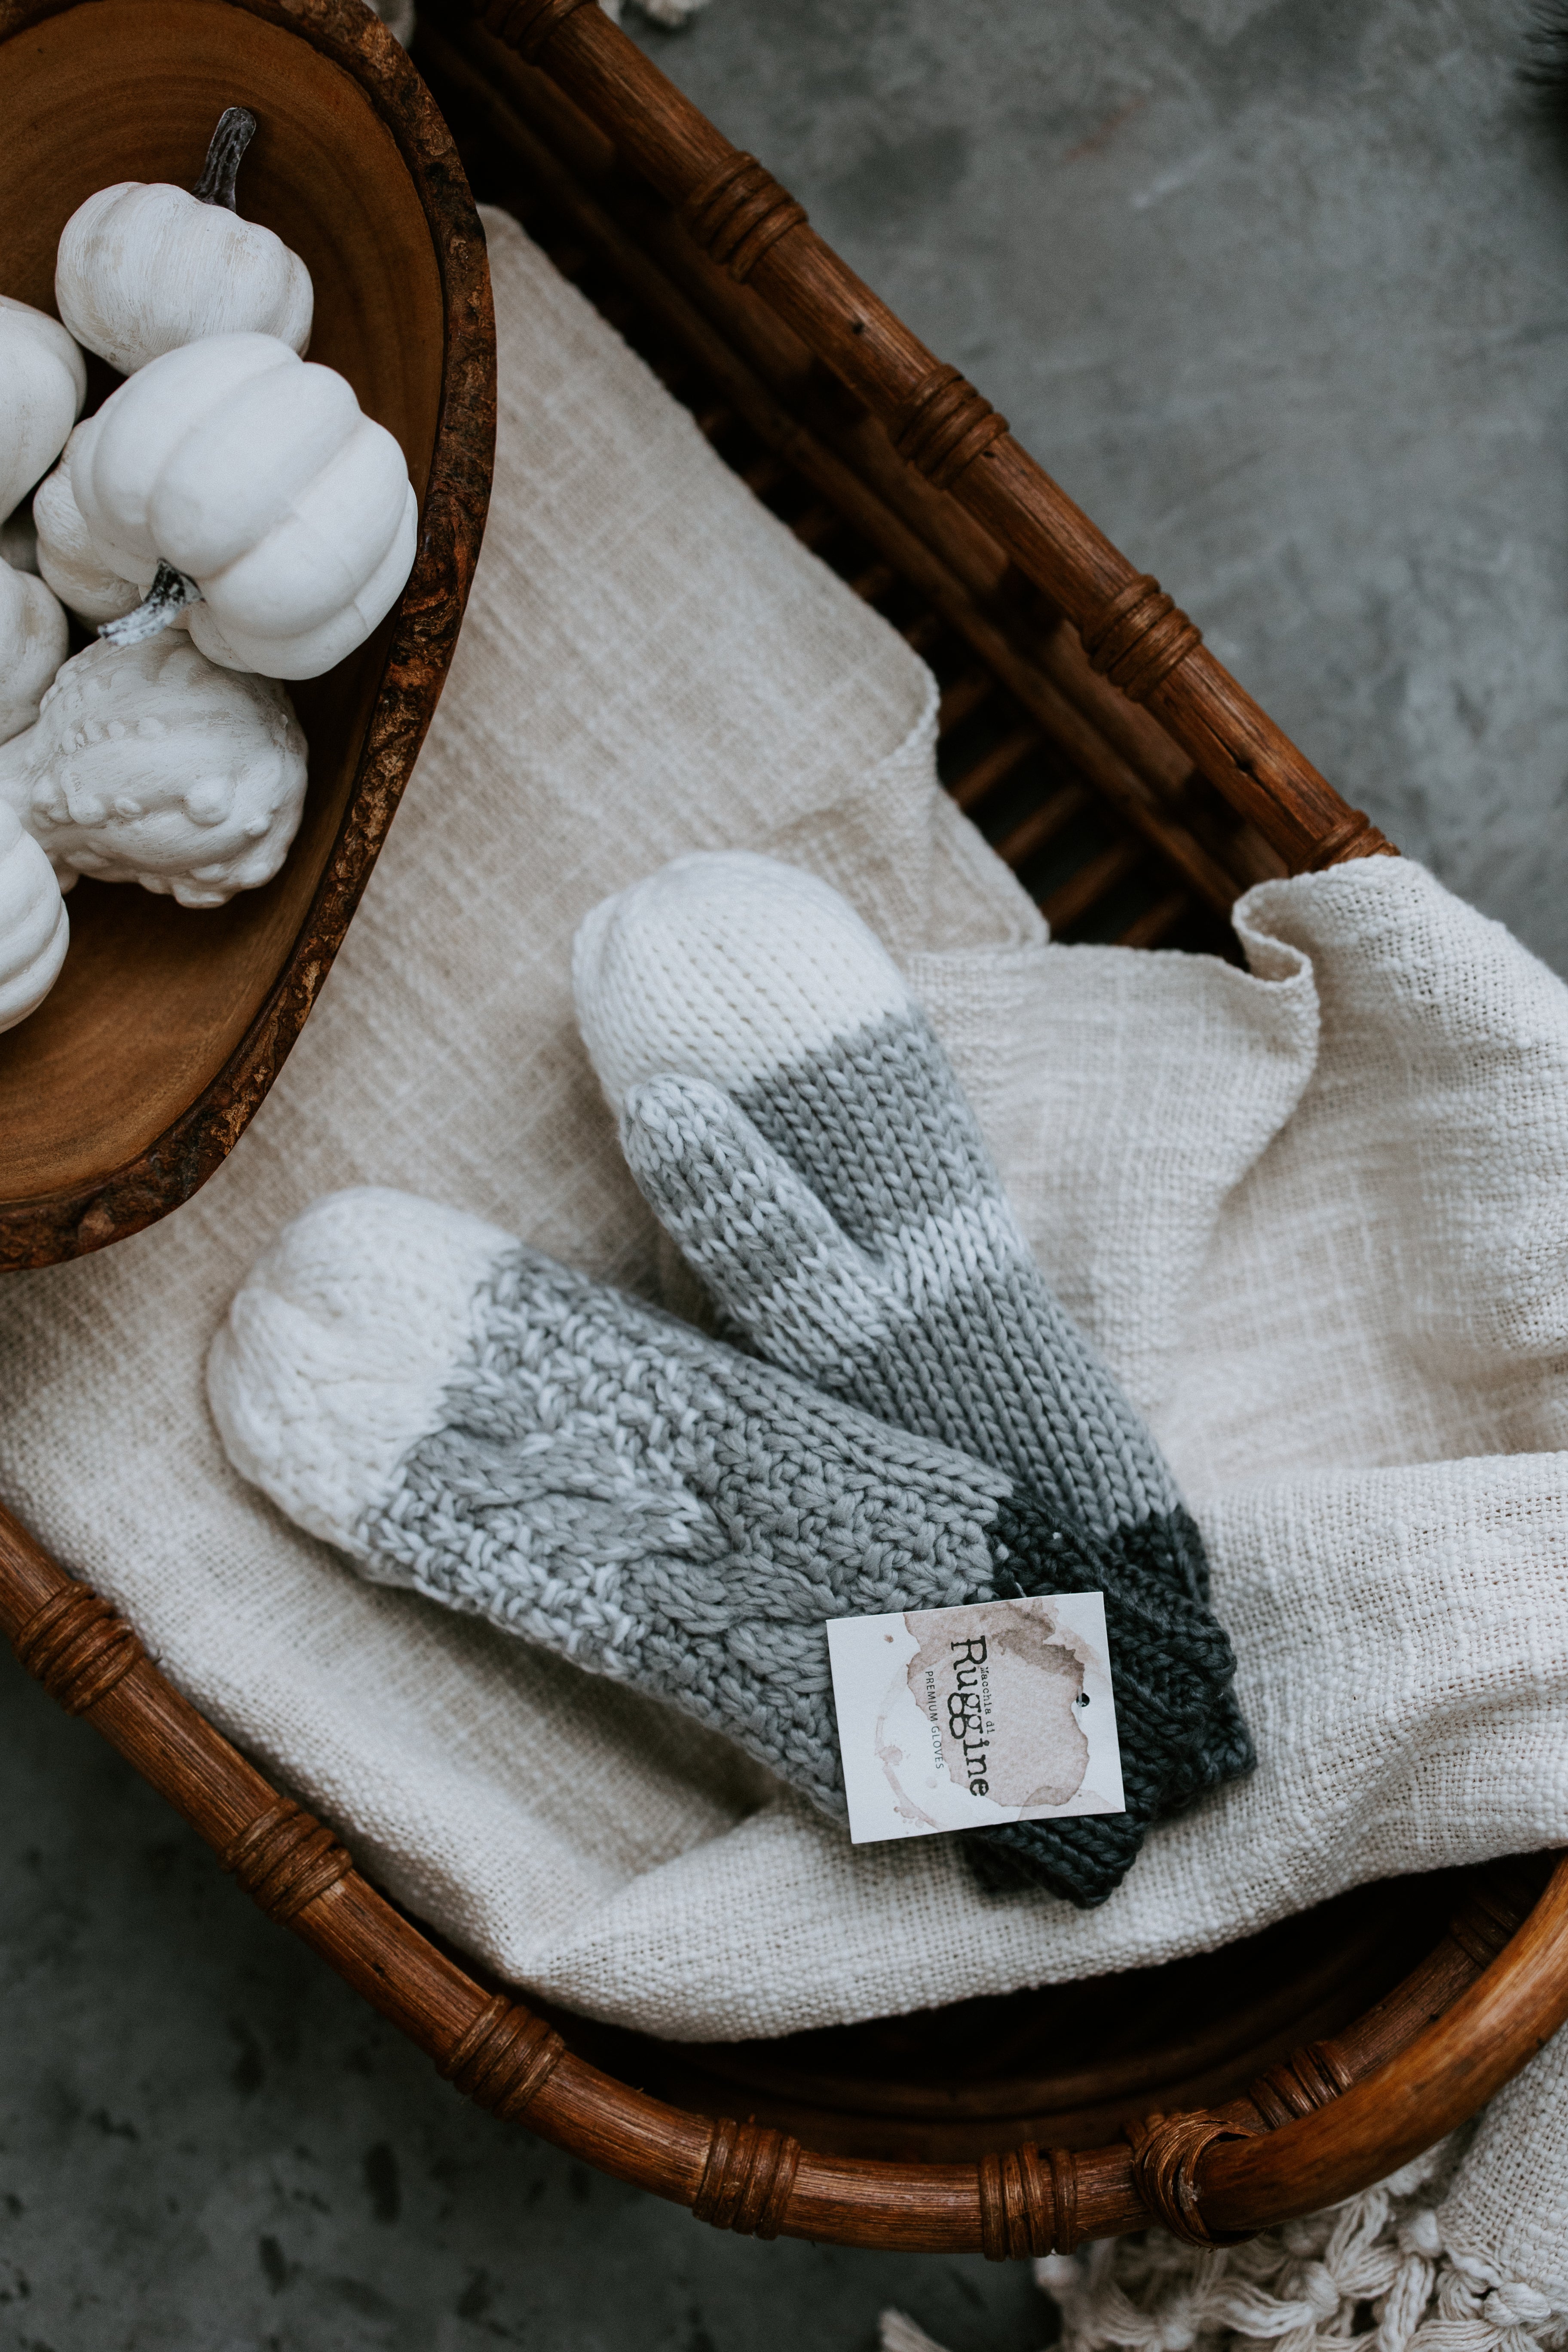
140	1069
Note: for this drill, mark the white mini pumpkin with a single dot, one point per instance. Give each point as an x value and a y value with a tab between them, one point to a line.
34	930
254	476
144	267
35	638
43	383
67	558
149	764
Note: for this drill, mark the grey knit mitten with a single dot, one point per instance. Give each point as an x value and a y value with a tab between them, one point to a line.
789	1115
462	1415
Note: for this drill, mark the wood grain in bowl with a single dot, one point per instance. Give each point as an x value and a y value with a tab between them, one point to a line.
139	1072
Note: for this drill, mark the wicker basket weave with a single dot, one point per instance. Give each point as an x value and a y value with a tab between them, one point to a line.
1136	789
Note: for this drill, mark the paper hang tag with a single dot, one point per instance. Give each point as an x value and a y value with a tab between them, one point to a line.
964	1718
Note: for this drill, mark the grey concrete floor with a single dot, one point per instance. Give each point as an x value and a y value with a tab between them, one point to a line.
207	2144
1279	289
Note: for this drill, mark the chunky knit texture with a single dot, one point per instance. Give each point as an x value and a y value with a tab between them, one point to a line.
792	1118
465	1417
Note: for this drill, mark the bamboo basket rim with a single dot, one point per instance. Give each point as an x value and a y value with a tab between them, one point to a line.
1316	2130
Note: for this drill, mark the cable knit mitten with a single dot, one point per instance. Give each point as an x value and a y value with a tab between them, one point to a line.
792	1121
462	1415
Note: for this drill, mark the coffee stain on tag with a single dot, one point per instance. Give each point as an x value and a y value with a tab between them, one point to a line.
891	1760
1001	1686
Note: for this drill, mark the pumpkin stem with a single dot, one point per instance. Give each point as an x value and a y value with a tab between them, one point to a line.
235	129
170	591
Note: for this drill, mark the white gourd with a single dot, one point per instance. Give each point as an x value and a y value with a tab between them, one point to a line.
34	930
35	638
144	267
235	471
43	383
67	558
149	764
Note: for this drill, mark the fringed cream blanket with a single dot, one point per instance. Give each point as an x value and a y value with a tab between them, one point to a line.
1317	1217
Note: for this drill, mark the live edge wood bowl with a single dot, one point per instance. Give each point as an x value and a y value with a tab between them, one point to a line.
140	1071
1219	2094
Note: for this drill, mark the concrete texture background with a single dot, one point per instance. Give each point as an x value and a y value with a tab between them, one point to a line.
1279	289
207	2144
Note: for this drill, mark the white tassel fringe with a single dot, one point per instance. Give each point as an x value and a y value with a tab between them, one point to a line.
1370	2275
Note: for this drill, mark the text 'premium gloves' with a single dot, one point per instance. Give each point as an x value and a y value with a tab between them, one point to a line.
792	1118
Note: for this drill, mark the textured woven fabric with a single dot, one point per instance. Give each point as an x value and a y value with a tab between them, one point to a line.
1312	1216
840	1206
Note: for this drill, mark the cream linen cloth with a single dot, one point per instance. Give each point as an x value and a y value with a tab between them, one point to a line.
1316	1216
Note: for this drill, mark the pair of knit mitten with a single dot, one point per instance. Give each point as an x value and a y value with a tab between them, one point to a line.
910	1420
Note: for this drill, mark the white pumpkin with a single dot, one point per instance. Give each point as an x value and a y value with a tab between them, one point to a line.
254	476
67	559
143	266
43	383
34	930
149	764
35	638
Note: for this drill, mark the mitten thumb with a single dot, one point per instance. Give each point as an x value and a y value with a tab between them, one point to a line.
759	1240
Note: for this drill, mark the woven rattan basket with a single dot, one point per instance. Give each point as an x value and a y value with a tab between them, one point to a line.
1136	789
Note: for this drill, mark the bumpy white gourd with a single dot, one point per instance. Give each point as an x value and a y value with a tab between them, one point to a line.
35	638
144	267
67	558
253	475
43	383
34	930
149	764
